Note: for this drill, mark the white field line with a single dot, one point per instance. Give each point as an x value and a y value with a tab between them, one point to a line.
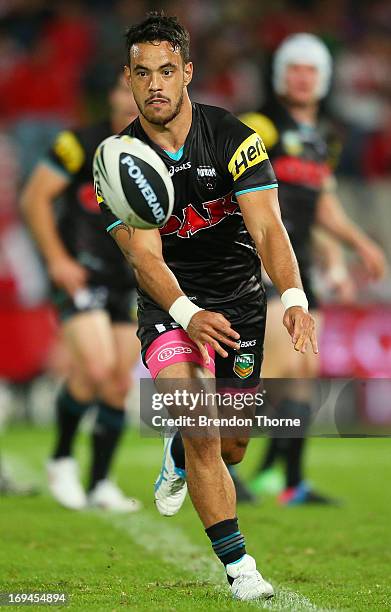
171	544
158	537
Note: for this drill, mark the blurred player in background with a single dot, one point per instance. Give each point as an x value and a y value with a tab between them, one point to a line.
94	291
225	201
297	148
8	487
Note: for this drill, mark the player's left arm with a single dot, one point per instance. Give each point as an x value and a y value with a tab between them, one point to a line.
254	185
331	216
261	214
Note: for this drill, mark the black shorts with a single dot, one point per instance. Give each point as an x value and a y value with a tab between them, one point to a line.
120	304
241	369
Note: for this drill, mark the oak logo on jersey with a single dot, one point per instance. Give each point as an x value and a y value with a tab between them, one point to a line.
69	150
193	221
207	176
250	153
244	365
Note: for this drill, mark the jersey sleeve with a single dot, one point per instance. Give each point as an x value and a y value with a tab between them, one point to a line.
110	221
67	154
244	156
263	126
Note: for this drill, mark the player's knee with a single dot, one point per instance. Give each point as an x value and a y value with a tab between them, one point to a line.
124	383
115	390
98	371
234	450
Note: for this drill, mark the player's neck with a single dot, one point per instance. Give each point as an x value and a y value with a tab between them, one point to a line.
171	136
304	113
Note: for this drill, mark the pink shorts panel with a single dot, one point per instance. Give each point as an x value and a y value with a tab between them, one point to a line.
175	347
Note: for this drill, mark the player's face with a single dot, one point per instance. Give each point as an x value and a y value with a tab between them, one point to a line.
158	78
301	81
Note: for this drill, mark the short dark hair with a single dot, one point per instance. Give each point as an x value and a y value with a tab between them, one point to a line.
158	27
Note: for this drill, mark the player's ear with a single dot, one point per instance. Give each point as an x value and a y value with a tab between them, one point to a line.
188	73
127	74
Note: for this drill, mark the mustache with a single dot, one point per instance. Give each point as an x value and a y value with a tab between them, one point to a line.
157	97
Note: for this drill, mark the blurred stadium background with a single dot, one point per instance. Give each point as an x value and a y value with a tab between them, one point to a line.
57	60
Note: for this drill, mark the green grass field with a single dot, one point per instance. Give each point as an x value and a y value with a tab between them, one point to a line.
318	558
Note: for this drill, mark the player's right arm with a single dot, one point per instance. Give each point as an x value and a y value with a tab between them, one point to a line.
42	188
143	251
45	184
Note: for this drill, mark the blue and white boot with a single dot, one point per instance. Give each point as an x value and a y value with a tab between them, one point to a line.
248	583
170	486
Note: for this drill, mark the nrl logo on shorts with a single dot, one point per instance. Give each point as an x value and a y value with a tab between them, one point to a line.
244	365
207	176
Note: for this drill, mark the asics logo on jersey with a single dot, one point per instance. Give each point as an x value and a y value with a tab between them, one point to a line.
251	152
247	343
149	195
193	221
174	169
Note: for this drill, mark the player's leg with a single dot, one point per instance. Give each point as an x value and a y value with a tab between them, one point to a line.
213	495
284	363
298	404
111	420
88	339
237	377
210	485
172	356
279	362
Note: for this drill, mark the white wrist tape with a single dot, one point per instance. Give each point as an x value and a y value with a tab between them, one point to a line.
182	311
294	297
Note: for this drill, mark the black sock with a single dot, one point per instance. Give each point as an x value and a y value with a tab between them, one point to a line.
109	425
293	448
178	451
294	463
273	452
69	414
227	541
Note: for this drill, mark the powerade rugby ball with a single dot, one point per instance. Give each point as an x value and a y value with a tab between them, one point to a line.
133	181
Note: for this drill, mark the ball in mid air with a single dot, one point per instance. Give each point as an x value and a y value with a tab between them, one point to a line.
133	181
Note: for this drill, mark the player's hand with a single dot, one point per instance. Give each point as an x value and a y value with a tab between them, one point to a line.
301	327
372	258
68	274
212	328
341	284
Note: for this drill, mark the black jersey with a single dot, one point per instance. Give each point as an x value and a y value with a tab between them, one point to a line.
79	222
205	242
300	158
